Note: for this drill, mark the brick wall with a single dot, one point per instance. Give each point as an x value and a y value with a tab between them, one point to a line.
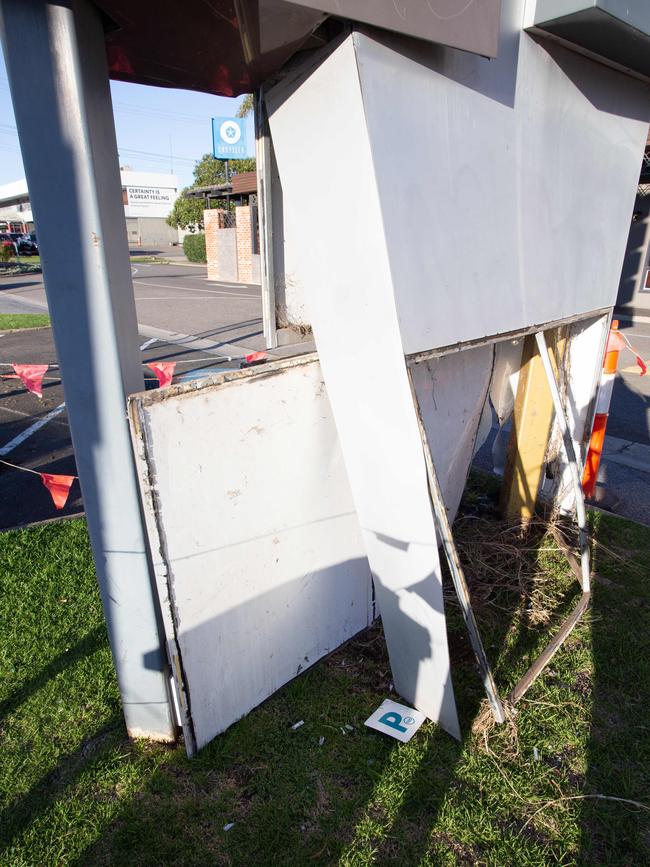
244	244
214	222
229	251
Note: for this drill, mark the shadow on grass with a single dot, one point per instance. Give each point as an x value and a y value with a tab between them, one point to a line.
95	639
52	786
357	798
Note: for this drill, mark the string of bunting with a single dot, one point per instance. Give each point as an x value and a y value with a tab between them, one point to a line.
618	341
31	375
58	485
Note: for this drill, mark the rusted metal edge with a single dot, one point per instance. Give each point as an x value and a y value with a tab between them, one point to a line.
580	568
148	398
146	478
457	574
551	649
564	546
572	459
427	354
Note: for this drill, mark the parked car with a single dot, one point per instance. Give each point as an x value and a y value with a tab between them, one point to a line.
5	238
24	244
32	237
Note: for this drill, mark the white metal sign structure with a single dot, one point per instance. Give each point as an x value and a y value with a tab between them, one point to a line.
259	558
475	175
259	561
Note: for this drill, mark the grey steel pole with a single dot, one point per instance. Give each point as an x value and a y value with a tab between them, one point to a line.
67	136
265	221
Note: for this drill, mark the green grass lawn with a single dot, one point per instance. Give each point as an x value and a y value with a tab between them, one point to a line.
76	791
29	260
20	265
153	260
14	321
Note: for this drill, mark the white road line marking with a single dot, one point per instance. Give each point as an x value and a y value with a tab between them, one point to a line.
29	414
180	297
17	440
148	343
195	289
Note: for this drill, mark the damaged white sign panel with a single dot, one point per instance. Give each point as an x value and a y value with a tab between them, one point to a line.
259	561
471	218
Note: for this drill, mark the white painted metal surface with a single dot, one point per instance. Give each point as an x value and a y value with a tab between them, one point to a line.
259	561
473	216
501	222
250	516
466	24
348	288
452	392
580	385
503	188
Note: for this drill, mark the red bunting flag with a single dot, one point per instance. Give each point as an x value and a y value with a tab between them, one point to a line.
58	486
164	370
31	376
255	356
617	341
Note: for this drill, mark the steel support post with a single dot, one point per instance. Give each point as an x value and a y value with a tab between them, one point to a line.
265	220
65	124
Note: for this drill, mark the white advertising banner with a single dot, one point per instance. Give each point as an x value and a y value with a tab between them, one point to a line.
148	201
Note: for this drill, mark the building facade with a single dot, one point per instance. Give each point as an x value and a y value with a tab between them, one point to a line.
148	198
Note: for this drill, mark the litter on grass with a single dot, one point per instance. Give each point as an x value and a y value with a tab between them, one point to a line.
397	720
297	725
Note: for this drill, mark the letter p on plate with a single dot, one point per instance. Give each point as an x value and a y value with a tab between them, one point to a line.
393	720
397	720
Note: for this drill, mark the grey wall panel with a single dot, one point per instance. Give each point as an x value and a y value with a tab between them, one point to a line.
472	25
616	32
506	186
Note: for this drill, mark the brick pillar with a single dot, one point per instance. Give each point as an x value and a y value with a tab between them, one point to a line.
244	244
213	221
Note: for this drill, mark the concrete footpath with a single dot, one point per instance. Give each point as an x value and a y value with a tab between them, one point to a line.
624	479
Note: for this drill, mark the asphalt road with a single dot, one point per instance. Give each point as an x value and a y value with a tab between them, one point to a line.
204	326
629	416
196	323
170	300
23	498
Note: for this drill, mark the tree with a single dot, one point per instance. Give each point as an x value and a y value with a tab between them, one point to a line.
246	106
186	213
208	172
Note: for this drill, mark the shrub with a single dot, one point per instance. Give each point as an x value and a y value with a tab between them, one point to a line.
6	251
194	248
